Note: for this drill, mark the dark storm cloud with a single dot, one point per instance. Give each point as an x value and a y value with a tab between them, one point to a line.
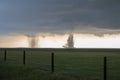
59	16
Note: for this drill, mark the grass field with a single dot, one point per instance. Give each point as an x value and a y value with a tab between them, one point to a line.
70	64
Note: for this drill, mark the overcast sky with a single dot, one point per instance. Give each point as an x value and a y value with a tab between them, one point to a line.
59	16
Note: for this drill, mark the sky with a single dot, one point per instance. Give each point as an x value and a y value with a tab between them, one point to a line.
29	17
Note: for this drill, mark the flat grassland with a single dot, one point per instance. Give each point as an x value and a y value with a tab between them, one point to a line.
70	64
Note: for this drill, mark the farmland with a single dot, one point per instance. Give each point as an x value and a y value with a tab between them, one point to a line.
70	64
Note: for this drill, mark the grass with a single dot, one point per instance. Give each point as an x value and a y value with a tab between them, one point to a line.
20	72
70	64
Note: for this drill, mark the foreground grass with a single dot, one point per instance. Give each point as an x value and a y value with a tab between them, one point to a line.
21	72
70	64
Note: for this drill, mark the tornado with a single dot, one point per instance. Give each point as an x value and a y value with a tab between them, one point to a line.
33	41
70	42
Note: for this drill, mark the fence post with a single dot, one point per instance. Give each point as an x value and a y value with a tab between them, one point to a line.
52	62
24	57
5	56
105	68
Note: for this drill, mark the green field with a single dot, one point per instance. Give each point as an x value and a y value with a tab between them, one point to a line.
70	64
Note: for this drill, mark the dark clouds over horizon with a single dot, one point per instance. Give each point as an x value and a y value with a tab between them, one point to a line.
59	16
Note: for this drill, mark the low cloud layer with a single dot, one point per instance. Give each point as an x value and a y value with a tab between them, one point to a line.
59	16
60	41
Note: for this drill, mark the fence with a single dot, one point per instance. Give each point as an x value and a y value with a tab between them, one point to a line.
52	60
